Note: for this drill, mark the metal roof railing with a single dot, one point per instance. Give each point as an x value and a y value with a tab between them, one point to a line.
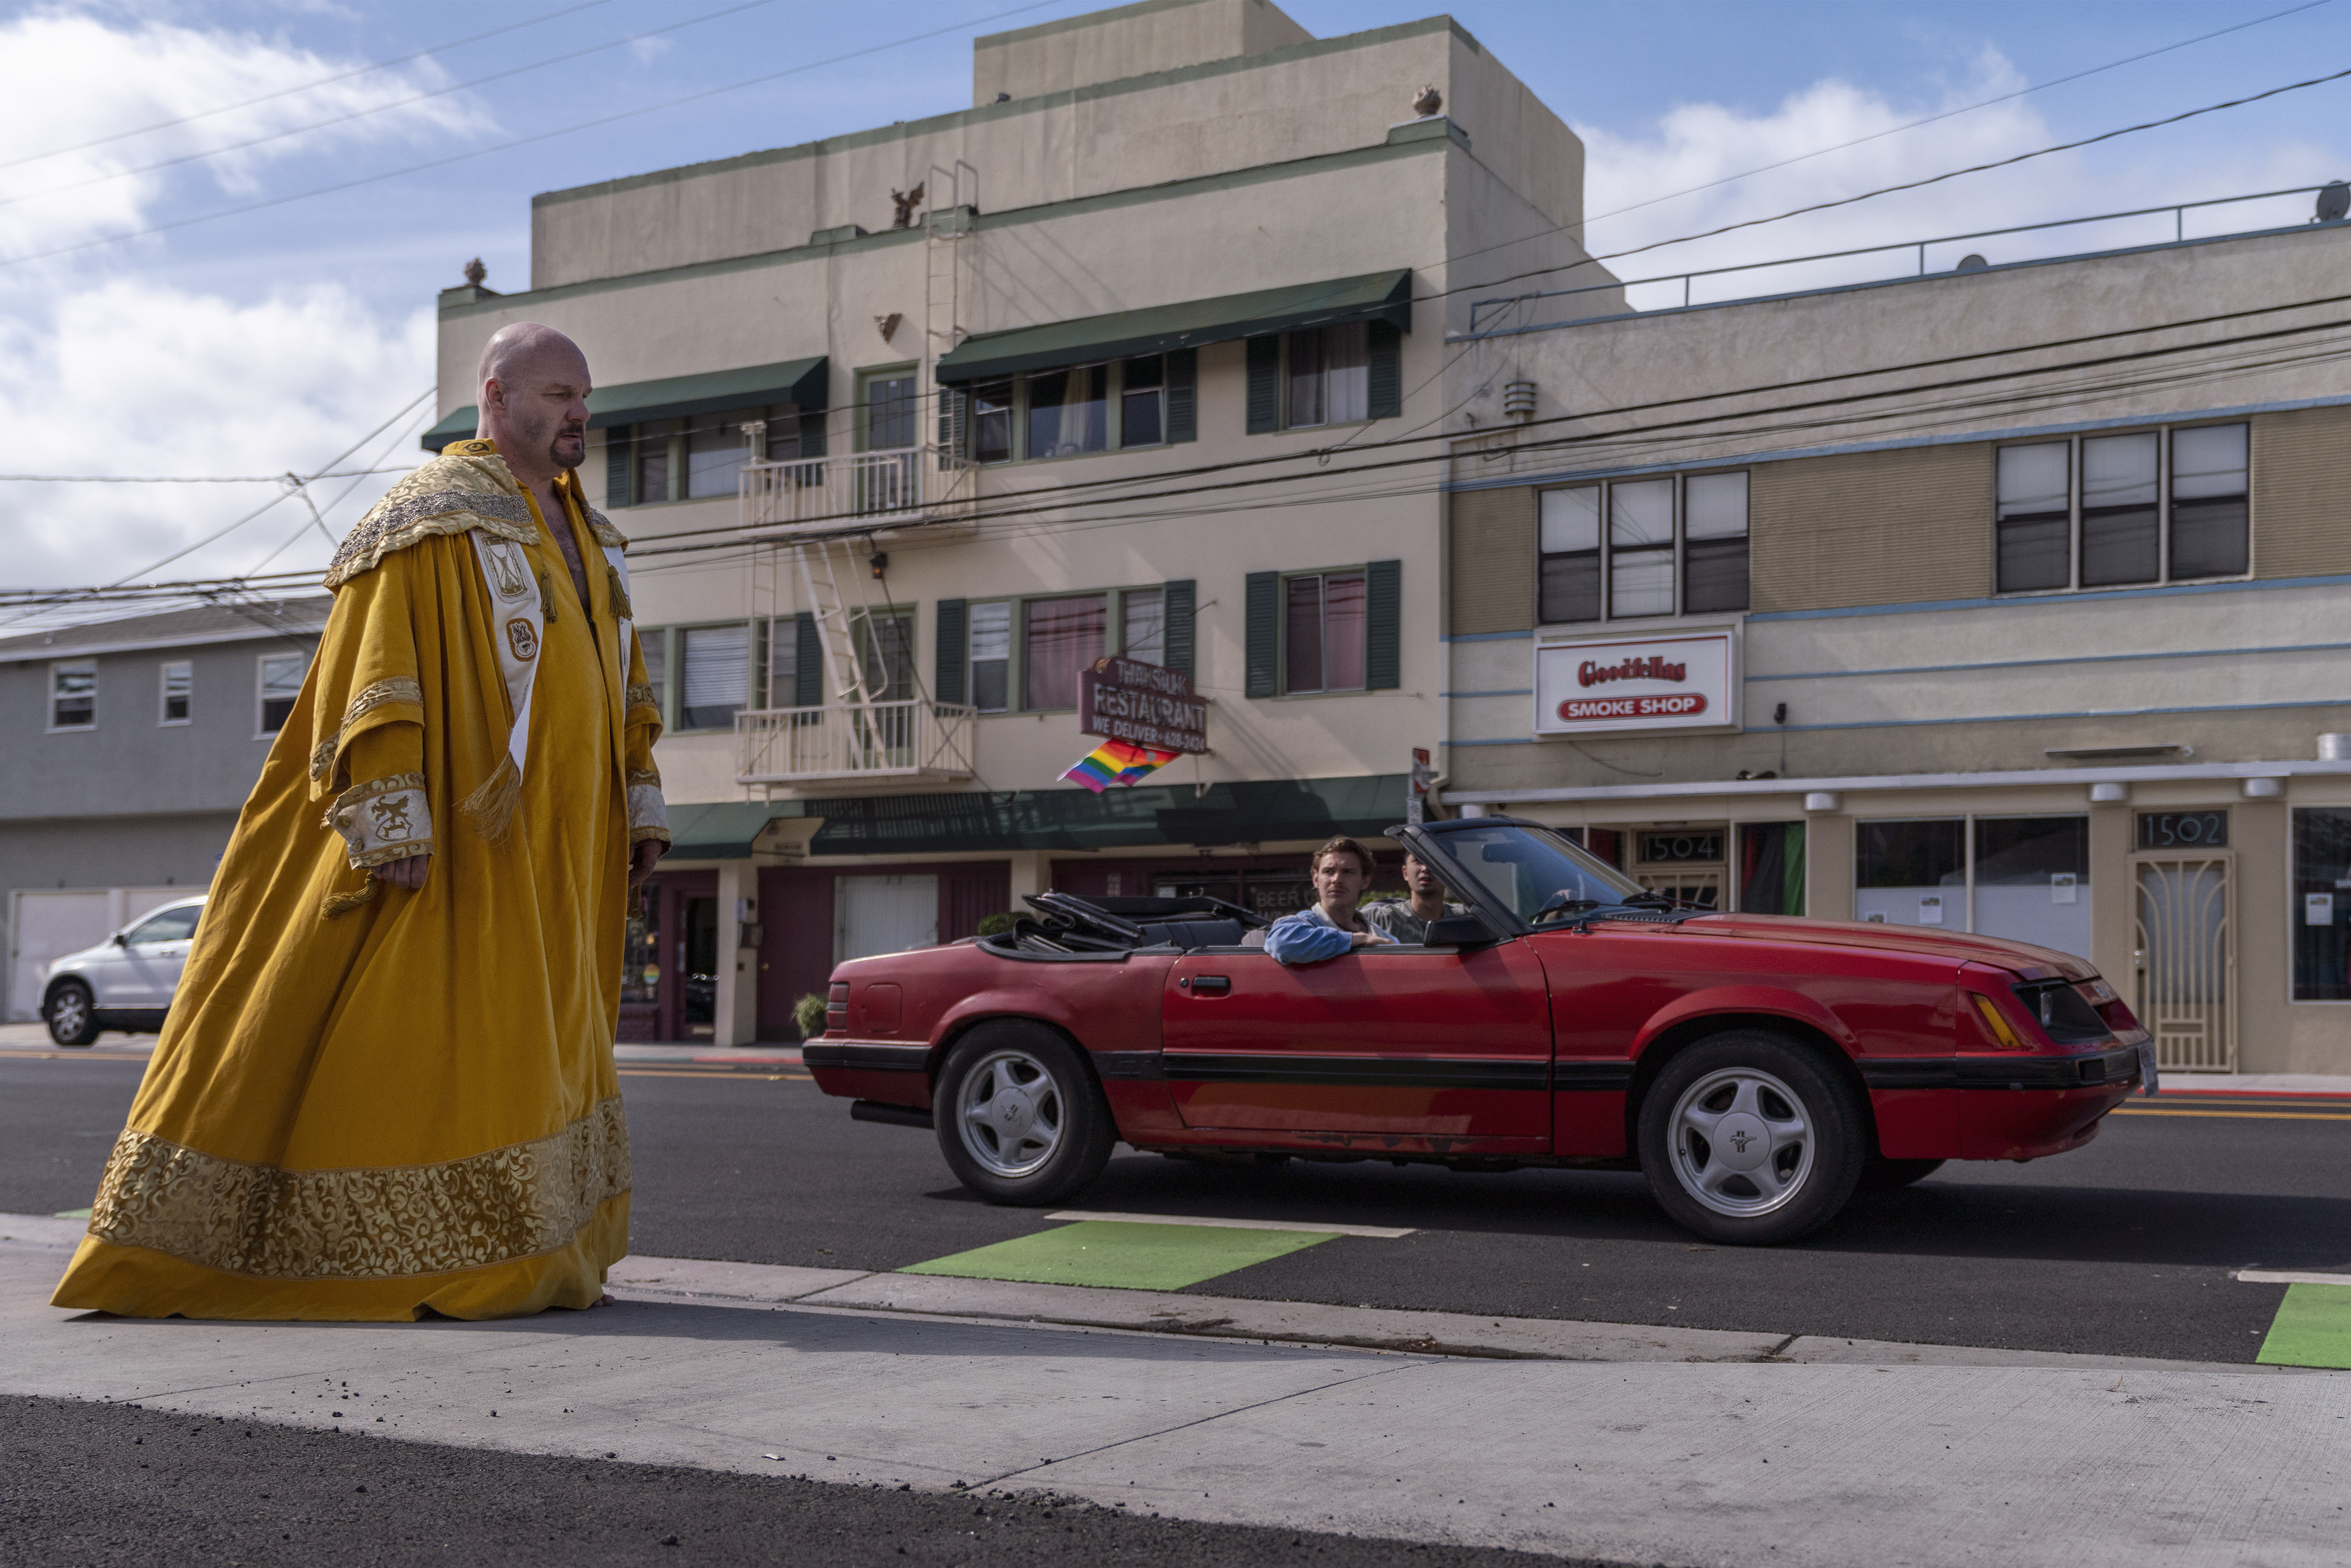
2178	211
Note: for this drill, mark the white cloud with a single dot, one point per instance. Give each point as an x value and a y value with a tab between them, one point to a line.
106	369
645	51
134	378
74	78
1697	144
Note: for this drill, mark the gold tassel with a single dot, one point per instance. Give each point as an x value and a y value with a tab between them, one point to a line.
490	809
621	611
546	597
344	903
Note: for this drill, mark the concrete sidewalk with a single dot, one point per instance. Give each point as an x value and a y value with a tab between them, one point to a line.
1663	1446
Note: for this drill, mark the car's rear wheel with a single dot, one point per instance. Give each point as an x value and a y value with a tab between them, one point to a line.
1020	1118
1882	1174
1751	1138
73	1014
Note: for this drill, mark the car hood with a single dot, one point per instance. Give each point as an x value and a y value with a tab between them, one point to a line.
1959	946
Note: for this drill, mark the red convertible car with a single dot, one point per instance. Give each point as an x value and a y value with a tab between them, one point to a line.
1756	1069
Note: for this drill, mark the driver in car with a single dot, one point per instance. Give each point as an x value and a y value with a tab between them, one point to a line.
1341	869
1408	919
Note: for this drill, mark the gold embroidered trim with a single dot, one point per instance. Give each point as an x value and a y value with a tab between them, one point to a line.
386	819
601	527
448	495
639	835
644	775
641	696
399	689
391	852
263	1222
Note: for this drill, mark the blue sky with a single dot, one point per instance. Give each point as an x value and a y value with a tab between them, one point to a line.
267	340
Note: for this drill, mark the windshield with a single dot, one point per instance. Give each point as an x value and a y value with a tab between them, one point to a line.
1534	870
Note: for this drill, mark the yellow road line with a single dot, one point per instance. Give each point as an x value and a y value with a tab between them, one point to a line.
2248	1115
722	1072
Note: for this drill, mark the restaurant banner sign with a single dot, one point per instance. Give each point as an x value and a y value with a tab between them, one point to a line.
1637	684
1143	704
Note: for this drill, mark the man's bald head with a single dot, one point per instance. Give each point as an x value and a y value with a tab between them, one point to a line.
534	402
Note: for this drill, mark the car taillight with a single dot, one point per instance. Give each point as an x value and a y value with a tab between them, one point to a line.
836	1007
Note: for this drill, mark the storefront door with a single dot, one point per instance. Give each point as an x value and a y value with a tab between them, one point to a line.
2184	949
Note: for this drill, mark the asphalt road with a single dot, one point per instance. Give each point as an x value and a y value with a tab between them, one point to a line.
2123	1248
117	1484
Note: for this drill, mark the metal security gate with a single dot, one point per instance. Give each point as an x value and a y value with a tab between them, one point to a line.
2185	949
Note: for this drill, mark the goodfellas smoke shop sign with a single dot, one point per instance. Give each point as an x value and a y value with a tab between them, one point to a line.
1640	684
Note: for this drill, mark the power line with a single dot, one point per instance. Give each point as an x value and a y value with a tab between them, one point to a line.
304	87
382	108
1954	113
518	142
187	479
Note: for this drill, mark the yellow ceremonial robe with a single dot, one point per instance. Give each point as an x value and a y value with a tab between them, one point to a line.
370	1102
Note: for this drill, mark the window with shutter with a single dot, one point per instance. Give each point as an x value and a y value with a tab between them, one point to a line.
1183	382
1385	396
1264	385
783	662
715	675
1178	598
808	681
1263	676
947	683
1383	625
617	490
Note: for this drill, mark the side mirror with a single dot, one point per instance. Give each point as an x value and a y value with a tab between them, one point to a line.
119	940
1459	931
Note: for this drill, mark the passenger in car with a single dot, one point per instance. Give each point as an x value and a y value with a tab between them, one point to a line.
1342	869
1408	919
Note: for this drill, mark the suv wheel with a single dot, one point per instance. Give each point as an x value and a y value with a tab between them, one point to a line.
1749	1138
73	1014
1020	1118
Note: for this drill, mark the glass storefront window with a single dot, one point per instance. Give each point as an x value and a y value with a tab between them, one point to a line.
1771	868
2032	881
1911	873
2320	914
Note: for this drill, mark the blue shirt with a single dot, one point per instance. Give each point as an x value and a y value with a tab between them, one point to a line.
1309	938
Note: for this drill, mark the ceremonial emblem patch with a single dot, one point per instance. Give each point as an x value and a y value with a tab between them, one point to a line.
391	814
523	638
506	574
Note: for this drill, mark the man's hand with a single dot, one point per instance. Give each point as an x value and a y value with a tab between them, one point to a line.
642	856
1368	939
408	873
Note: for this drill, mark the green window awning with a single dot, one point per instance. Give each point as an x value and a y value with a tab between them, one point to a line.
801	382
1375	296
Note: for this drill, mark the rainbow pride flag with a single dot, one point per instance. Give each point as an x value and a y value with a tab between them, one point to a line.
1117	762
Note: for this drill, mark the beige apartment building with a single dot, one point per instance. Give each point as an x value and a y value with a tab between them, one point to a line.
911	425
2008	599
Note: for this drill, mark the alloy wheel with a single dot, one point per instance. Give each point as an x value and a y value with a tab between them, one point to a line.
1010	1114
1742	1142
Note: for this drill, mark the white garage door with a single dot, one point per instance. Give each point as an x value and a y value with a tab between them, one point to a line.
883	914
44	927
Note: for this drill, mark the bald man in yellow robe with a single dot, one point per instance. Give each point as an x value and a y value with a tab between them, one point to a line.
386	1086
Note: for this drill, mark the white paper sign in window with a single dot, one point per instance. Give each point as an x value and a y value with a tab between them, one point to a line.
1636	683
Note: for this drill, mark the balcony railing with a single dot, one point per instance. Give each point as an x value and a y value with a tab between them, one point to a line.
891	488
916	740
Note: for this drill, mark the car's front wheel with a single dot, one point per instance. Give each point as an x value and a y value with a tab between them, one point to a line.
1019	1117
1751	1138
73	1014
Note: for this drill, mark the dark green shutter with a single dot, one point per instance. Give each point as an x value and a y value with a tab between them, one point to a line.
946	683
1382	617
1176	604
617	449
1264	634
813	432
1384	393
953	434
808	670
1264	385
1183	394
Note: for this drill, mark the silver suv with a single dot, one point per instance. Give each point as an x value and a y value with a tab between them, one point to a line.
125	982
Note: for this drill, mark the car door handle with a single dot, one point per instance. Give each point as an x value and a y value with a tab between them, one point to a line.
1207	985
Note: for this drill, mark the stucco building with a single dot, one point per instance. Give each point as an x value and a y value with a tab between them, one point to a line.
2004	599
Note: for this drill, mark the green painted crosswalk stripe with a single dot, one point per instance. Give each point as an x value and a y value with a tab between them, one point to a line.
1128	1257
2313	1328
